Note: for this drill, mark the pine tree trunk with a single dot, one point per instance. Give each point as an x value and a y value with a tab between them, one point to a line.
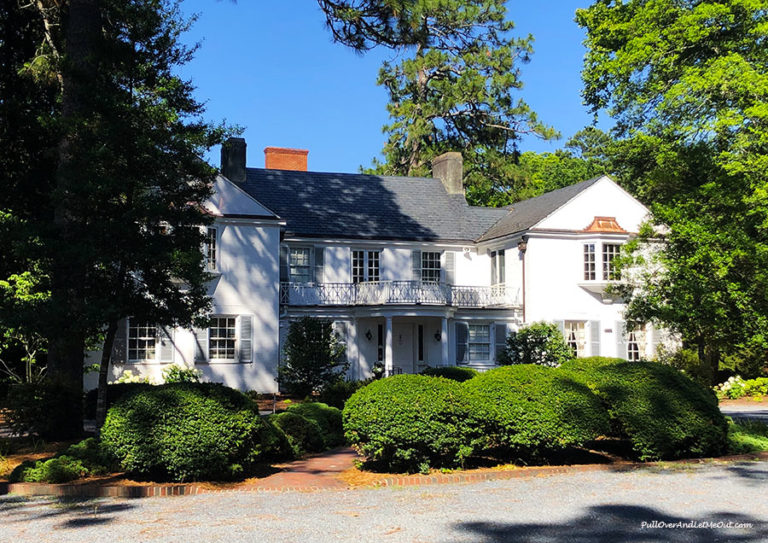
67	339
106	357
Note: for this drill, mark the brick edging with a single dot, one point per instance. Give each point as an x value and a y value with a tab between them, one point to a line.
94	490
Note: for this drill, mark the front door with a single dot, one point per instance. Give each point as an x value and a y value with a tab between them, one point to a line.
402	348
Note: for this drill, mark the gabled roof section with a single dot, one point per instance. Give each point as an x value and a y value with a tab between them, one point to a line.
229	200
524	215
357	206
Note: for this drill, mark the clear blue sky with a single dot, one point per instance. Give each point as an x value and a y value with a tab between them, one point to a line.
272	68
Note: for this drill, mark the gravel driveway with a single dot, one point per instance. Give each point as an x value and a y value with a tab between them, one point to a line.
576	507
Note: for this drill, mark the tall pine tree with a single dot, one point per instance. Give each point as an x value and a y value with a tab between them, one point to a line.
453	88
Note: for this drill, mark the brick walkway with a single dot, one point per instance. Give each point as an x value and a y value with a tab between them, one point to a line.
319	472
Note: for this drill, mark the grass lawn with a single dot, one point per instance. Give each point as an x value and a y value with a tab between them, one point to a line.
747	437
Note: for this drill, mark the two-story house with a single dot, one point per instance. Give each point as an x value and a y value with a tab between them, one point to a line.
411	275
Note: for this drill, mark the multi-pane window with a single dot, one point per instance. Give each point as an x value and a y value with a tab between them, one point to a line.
575	337
479	342
380	343
589	262
498	267
299	265
142	341
430	266
222	337
210	249
610	252
365	266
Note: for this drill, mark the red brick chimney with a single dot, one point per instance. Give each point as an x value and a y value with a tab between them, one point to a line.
281	158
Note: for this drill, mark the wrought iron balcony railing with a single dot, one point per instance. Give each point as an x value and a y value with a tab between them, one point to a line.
397	293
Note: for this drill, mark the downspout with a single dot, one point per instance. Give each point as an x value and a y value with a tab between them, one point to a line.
522	246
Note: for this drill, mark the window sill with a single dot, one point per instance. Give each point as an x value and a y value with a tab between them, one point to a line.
221	363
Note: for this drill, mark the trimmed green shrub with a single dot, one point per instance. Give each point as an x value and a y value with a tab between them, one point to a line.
83	459
662	412
454	373
409	423
527	412
304	435
188	431
336	394
115	391
52	411
590	363
536	343
327	418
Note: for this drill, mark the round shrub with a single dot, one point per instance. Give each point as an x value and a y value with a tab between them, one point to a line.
327	418
454	373
115	391
409	423
527	411
662	412
187	431
590	363
304	435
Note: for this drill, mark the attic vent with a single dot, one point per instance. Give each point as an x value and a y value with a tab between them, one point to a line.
605	224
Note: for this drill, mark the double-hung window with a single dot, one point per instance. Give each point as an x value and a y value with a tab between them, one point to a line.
222	338
636	344
430	266
211	249
365	266
610	252
479	342
300	265
589	262
142	341
498	267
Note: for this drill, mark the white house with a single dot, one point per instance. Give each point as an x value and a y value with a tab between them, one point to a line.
411	275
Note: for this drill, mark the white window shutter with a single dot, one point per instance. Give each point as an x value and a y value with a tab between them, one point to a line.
319	264
284	257
500	339
561	326
119	352
416	263
657	339
621	340
450	267
166	348
462	342
594	338
201	344
245	345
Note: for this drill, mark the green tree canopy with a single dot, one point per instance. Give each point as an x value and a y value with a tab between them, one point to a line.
687	83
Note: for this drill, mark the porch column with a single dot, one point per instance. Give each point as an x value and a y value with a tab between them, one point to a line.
444	340
388	365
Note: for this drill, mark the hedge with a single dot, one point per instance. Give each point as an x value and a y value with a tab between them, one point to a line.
114	393
304	435
327	418
188	431
50	410
662	412
527	412
409	423
454	373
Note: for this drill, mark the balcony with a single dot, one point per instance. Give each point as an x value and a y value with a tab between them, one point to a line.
397	293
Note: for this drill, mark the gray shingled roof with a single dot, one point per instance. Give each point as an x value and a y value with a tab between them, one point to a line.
523	215
368	206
